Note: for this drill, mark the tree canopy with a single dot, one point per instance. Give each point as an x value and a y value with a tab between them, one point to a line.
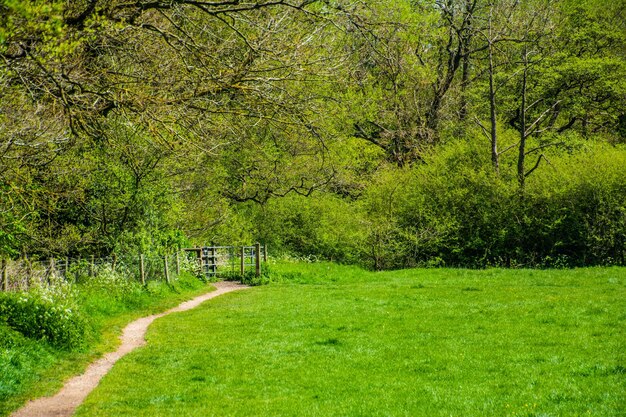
344	129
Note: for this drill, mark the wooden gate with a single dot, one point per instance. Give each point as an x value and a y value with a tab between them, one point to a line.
230	260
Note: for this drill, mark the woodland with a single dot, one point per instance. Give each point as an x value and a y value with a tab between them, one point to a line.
390	133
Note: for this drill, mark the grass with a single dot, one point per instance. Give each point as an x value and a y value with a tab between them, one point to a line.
338	341
32	368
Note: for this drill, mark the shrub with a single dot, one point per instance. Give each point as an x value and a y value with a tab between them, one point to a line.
454	209
117	284
50	314
322	225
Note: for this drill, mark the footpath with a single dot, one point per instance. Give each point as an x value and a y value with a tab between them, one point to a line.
75	390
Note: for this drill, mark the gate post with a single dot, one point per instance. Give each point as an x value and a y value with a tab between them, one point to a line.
5	276
213	260
257	259
243	260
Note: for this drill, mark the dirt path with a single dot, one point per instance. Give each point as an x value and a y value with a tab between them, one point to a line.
75	390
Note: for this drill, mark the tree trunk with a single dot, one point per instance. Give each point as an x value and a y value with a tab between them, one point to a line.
492	114
464	83
521	174
465	68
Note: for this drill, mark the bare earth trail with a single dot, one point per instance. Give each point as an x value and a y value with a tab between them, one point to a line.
75	390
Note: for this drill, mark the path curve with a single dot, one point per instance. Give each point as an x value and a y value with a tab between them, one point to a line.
75	390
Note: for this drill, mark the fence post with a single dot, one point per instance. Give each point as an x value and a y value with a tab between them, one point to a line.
213	261
257	259
243	260
50	270
114	262
5	276
231	257
142	270
177	264
167	272
29	269
265	252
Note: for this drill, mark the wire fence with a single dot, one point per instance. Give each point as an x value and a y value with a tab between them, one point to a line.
24	273
208	261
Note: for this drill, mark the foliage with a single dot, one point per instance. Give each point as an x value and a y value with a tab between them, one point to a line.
465	215
50	314
322	225
456	211
346	130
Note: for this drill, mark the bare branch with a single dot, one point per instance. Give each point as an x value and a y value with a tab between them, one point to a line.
529	131
530	171
544	146
508	148
482	127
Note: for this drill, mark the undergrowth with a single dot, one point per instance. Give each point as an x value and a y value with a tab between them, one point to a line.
48	313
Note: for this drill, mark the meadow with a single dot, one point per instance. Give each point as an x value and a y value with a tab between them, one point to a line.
330	340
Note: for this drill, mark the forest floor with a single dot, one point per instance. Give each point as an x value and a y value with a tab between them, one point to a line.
74	391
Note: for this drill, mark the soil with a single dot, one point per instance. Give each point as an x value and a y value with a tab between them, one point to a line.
75	390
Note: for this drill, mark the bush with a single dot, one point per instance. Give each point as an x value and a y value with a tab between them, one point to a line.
322	225
571	213
48	314
456	210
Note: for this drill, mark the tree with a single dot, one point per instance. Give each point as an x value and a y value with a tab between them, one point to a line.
406	59
182	73
536	83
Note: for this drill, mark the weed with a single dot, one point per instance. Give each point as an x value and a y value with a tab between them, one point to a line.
47	314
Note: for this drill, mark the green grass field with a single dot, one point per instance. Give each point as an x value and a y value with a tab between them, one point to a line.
31	368
338	341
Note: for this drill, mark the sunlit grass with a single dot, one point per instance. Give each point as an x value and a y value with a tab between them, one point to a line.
31	368
332	340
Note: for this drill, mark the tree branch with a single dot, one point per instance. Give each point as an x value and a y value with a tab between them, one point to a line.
542	156
544	146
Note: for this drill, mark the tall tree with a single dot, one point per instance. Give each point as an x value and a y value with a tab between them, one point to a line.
538	84
193	77
408	59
